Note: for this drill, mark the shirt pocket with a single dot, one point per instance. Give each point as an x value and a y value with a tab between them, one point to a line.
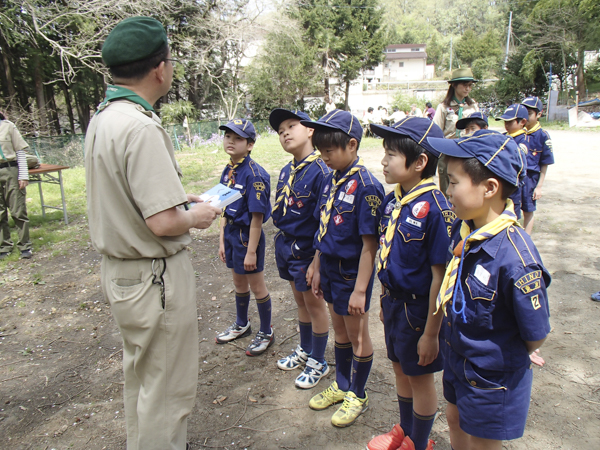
302	250
412	245
301	198
348	270
484	379
342	218
414	321
483	298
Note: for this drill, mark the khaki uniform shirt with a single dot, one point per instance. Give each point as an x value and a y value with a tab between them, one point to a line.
11	141
447	116
131	174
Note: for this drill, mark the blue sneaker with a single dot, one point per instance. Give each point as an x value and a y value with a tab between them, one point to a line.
312	374
596	296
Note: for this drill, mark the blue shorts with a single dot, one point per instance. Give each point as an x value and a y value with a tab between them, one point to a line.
516	198
338	277
531	182
404	319
293	256
236	247
491	404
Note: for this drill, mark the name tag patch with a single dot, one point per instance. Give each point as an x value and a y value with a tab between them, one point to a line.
414	222
530	282
349	199
239	186
482	274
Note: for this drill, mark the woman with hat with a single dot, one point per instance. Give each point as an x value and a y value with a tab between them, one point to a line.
456	105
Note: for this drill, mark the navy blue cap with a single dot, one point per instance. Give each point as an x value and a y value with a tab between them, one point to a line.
241	127
279	115
514	111
496	151
338	120
533	102
462	123
416	128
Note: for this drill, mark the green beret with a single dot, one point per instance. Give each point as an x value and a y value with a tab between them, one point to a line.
132	40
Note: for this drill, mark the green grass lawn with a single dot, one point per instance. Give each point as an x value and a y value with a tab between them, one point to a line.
201	165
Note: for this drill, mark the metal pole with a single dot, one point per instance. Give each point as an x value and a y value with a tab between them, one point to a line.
508	39
450	54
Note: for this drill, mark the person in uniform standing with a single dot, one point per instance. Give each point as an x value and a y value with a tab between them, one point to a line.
456	105
14	177
139	224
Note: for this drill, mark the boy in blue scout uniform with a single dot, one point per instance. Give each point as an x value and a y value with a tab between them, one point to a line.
493	296
515	119
298	190
416	220
474	122
342	271
540	156
242	240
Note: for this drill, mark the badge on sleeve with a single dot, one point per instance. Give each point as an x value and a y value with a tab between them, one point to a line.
421	209
374	202
530	282
535	302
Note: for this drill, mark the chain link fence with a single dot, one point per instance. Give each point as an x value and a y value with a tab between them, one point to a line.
68	150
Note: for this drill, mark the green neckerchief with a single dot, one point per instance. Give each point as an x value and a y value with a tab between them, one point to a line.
1	152
117	92
460	110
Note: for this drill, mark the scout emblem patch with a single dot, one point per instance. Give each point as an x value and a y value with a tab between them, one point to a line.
420	210
338	219
373	202
530	282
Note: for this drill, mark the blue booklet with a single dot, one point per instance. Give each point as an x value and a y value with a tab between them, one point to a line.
220	196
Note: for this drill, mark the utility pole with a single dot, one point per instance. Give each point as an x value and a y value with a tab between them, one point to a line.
450	54
508	39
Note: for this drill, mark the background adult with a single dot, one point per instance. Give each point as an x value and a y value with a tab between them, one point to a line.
456	105
138	224
14	178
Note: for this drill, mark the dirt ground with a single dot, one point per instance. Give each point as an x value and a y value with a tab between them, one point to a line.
60	351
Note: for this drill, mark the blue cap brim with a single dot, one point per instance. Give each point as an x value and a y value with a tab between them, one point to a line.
448	147
385	132
322	125
280	115
235	130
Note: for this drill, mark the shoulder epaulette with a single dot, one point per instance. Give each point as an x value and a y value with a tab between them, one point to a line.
516	236
366	177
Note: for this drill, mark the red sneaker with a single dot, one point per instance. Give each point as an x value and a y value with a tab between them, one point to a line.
408	444
388	441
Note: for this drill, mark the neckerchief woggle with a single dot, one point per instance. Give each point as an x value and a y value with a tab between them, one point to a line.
451	289
287	189
423	186
326	214
117	93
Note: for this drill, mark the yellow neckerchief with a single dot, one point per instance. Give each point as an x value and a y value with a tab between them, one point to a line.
536	127
231	173
517	133
326	215
454	269
287	189
423	186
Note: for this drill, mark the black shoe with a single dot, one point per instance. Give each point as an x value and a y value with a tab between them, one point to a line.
26	254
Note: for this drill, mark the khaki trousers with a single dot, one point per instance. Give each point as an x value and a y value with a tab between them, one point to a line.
160	347
12	198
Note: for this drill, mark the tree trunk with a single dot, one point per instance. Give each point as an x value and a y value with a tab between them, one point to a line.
65	90
83	111
346	95
39	93
580	76
10	82
52	110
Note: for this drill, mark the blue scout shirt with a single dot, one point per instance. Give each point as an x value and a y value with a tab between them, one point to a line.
253	182
540	149
299	220
420	241
504	284
355	213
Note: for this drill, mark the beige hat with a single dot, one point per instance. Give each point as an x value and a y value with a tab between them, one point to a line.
461	74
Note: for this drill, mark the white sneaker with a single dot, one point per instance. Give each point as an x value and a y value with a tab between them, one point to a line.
260	343
293	361
313	372
235	331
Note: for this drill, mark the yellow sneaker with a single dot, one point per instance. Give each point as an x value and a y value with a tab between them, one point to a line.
328	397
350	410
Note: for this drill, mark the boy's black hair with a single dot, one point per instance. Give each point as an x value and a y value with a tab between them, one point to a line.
529	108
482	124
2	116
139	69
428	104
370	109
411	151
326	139
479	173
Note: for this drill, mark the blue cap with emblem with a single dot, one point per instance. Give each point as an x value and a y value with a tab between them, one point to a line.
241	127
338	120
462	123
496	151
279	115
513	112
416	128
533	102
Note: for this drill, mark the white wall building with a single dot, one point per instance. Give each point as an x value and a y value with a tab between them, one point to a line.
403	62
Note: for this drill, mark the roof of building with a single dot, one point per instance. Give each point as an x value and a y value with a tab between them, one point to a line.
405	45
